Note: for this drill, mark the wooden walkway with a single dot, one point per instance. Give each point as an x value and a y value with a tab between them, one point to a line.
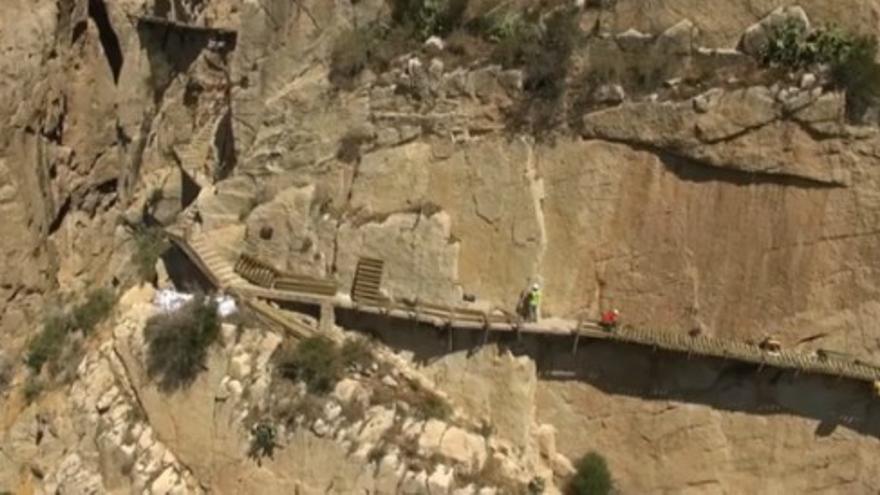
222	272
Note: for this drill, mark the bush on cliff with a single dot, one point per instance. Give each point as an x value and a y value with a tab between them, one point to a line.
852	60
149	244
591	477
177	343
543	48
97	306
315	361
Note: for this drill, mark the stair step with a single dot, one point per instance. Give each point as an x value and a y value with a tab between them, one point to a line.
369	269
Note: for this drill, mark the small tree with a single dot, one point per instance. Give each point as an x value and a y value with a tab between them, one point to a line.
263	441
149	244
592	476
178	342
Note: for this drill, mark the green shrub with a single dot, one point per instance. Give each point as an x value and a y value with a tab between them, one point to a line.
33	387
356	352
852	60
49	343
351	55
543	48
263	441
375	45
591	477
859	73
432	407
149	244
96	307
317	361
177	342
428	17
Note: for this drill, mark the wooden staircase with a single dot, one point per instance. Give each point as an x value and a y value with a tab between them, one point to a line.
367	280
265	275
216	264
256	271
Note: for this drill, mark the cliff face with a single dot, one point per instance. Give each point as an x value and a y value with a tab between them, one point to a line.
689	192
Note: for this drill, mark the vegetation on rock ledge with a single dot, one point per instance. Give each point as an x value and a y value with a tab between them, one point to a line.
851	59
150	243
53	338
178	342
320	362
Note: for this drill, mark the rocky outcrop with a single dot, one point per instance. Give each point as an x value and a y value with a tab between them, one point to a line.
735	130
756	36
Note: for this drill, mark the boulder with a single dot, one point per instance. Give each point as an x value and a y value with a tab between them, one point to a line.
609	93
434	45
633	40
545	435
378	421
756	36
466	448
166	483
350	391
414	483
440	481
227	203
678	39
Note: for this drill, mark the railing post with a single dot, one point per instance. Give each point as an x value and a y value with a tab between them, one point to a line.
328	317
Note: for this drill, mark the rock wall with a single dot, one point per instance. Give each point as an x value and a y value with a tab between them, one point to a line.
666	423
742	208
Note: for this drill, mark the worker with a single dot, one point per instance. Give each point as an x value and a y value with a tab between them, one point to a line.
609	320
533	303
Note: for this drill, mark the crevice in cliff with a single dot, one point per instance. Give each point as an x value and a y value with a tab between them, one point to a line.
60	216
224	147
172	49
107	36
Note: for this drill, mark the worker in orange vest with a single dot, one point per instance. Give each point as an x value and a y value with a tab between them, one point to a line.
609	320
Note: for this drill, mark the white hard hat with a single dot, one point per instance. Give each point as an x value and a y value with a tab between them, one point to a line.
535	286
616	311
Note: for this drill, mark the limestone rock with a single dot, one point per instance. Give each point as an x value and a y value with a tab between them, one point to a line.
434	45
378	421
227	203
463	447
440	480
678	39
756	36
414	483
609	93
546	436
350	391
725	130
633	40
